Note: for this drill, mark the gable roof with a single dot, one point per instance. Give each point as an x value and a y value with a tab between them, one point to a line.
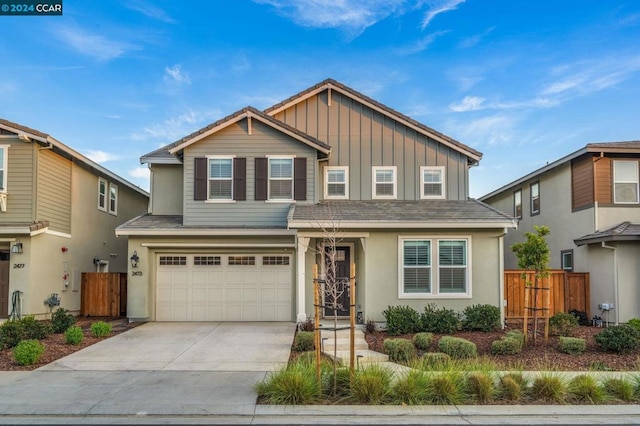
626	231
399	214
28	134
168	154
626	147
330	84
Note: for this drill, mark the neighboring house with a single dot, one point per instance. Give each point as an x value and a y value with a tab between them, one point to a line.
58	213
240	209
590	201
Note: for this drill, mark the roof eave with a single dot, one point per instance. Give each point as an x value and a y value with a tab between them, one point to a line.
387	224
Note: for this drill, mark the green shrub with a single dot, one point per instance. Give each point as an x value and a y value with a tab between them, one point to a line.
550	388
371	385
402	320
563	324
517	335
572	345
480	387
439	320
410	388
446	389
585	389
28	352
12	333
620	339
457	347
34	329
295	384
481	317
423	340
434	361
100	329
582	317
506	346
512	387
304	341
73	335
620	389
635	323
61	320
399	350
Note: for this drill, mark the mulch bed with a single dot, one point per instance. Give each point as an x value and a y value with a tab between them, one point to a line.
539	357
56	347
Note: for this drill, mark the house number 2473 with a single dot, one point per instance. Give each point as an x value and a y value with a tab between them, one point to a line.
18	265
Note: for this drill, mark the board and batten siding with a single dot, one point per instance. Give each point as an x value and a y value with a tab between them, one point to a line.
362	138
54	191
582	185
235	140
20	182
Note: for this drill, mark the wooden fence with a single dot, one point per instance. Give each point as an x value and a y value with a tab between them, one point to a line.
569	290
104	294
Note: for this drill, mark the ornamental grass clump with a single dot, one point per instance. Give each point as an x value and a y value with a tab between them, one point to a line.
447	388
512	387
620	389
28	352
481	387
586	389
410	388
304	341
399	350
572	345
457	347
371	385
549	387
73	335
100	329
422	340
433	361
295	384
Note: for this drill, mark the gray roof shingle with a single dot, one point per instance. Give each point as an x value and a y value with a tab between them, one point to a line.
625	231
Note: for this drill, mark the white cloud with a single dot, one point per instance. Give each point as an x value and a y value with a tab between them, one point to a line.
89	44
475	39
439	7
150	11
100	156
489	130
469	103
421	44
175	75
141	172
476	103
176	127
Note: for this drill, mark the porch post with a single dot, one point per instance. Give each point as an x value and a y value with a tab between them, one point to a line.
303	245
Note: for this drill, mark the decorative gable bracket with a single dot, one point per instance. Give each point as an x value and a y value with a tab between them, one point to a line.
3	202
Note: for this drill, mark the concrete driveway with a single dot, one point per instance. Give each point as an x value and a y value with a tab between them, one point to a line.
188	346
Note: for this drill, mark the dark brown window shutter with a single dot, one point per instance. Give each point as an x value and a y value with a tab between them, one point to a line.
262	170
300	179
240	179
200	179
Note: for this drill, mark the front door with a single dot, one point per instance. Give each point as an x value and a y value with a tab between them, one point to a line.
4	285
337	281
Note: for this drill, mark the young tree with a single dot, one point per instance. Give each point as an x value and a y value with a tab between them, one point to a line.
533	255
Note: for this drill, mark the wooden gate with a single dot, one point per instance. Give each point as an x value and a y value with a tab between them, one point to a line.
104	294
569	290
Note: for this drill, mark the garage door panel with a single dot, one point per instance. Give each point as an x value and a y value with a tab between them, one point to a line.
229	288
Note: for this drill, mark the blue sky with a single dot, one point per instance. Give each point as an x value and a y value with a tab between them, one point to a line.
524	82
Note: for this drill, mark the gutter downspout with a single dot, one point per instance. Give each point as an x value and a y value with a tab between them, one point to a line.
501	276
616	291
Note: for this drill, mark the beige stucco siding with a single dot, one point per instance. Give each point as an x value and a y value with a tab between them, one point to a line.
54	191
166	187
361	138
20	182
235	140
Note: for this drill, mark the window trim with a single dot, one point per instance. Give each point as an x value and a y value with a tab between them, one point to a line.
637	182
327	169
101	195
515	205
435	267
562	254
374	182
442	170
4	165
231	199
537	185
113	211
292	179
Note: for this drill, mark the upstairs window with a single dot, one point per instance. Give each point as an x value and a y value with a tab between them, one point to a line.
221	178
432	182
517	204
102	194
384	182
625	182
280	178
535	198
336	182
3	168
113	199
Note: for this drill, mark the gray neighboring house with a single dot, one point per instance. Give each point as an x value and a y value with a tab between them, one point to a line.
590	201
58	214
239	211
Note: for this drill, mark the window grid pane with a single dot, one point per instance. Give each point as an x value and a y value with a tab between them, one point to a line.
206	260
417	270
242	260
173	260
384	176
281	168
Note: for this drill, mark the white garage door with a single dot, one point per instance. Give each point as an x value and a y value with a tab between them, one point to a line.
220	287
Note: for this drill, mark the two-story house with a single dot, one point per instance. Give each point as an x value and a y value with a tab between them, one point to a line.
240	211
58	214
590	201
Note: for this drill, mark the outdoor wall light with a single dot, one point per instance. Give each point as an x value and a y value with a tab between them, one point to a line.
16	247
134	259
